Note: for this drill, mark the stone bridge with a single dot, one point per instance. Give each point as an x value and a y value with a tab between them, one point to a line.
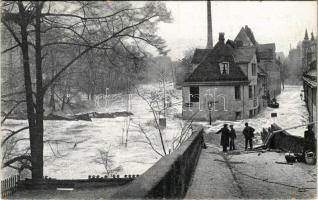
195	172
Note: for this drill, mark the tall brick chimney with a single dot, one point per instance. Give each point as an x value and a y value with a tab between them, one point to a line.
209	21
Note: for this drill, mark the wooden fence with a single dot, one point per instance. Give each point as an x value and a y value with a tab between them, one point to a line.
9	186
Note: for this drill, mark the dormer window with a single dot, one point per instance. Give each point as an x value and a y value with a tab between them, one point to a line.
224	68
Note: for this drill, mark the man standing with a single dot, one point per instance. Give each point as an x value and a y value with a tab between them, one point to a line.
232	137
224	137
248	132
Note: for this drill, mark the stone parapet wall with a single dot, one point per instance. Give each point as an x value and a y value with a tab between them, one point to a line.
170	176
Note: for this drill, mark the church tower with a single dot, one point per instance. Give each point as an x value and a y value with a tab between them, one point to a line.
305	51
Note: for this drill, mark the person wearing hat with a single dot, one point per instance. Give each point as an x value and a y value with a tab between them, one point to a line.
224	137
248	133
232	137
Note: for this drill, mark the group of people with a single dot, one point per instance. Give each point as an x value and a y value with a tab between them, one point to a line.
228	136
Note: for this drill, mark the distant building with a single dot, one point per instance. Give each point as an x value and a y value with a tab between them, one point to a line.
272	67
309	49
294	65
267	60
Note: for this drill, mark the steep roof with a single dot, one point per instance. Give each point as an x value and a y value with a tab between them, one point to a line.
263	47
244	54
199	55
243	37
250	34
209	70
266	51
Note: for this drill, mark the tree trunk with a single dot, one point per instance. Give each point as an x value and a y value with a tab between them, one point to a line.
34	131
37	148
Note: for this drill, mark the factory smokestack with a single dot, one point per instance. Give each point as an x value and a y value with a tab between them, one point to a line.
209	21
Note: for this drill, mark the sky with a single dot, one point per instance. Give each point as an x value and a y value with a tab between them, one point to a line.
282	23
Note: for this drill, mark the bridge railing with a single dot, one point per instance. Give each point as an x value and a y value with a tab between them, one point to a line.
170	176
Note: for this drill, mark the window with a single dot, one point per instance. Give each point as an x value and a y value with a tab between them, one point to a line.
237	93
250	92
194	94
253	69
237	115
224	68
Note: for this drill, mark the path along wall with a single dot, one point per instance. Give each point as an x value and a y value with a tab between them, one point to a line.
170	176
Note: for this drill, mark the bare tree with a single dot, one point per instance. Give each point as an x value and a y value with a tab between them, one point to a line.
105	158
28	22
154	102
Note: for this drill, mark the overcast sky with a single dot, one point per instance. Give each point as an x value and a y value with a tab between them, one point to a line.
283	23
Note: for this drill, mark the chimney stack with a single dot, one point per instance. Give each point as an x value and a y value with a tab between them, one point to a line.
209	21
221	37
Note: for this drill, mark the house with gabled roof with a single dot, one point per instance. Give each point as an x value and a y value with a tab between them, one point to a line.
245	39
231	80
223	84
251	78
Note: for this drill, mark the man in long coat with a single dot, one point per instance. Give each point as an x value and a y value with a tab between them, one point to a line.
232	137
224	137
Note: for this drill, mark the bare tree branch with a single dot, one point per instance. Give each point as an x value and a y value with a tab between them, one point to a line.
91	47
9	49
15	159
12	94
11	110
87	18
156	120
149	141
13	133
11	31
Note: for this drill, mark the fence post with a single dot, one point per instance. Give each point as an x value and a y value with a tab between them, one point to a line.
9	186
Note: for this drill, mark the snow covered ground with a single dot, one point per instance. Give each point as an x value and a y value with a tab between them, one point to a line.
75	157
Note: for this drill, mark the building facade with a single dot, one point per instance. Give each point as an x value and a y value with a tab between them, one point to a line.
232	81
223	85
309	61
309	51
